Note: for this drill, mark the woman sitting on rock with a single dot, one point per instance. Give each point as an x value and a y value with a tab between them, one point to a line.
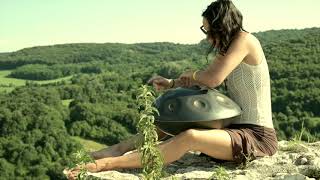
242	64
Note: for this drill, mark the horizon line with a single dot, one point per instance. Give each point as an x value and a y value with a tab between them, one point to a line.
146	42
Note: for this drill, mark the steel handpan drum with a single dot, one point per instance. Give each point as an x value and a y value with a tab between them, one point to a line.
184	108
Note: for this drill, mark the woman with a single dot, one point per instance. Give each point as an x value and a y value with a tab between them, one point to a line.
241	62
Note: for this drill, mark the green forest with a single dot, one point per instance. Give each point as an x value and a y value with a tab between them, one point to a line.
51	94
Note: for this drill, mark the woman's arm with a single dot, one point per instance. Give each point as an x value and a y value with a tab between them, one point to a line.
175	83
221	66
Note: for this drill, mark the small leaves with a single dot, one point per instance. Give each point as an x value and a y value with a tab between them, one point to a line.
79	159
152	160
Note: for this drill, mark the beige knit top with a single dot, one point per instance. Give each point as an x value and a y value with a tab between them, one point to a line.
249	86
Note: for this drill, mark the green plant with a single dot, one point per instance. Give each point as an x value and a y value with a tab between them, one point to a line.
79	159
298	137
246	161
152	160
220	173
296	144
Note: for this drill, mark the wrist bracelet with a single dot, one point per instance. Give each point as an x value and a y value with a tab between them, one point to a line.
194	75
172	83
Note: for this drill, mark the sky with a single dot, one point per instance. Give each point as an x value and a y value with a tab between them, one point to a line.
28	23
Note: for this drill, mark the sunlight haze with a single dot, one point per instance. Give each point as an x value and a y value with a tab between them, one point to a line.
27	23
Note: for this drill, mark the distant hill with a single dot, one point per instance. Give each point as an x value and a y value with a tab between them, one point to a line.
108	52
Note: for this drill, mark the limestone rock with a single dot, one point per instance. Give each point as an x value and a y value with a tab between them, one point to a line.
293	161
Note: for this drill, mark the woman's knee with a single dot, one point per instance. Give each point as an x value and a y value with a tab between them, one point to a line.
187	138
190	134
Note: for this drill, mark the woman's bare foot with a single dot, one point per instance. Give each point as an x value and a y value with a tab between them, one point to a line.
99	165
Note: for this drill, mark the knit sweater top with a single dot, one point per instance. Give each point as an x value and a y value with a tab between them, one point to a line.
249	86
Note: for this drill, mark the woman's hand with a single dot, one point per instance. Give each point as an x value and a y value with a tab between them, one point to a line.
160	83
186	79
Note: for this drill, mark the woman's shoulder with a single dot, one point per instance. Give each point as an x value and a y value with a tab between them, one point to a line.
247	40
247	37
243	39
251	45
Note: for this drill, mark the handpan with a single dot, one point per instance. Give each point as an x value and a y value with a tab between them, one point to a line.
184	108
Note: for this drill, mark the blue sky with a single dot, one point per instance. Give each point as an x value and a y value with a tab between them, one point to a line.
27	23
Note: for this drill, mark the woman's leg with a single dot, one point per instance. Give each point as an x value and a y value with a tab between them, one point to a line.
215	143
122	147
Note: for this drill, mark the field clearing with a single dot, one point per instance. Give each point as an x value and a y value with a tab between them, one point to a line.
7	81
13	82
89	145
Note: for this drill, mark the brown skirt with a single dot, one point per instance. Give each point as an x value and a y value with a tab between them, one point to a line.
251	141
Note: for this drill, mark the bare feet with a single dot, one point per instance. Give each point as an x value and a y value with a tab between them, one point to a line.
99	165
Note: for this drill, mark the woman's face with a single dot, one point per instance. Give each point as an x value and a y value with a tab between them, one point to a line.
206	26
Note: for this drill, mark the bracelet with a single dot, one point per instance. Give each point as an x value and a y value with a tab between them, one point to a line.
194	75
172	83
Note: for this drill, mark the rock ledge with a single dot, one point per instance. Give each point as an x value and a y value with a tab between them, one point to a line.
293	161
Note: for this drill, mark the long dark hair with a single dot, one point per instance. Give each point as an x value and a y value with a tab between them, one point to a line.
225	22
